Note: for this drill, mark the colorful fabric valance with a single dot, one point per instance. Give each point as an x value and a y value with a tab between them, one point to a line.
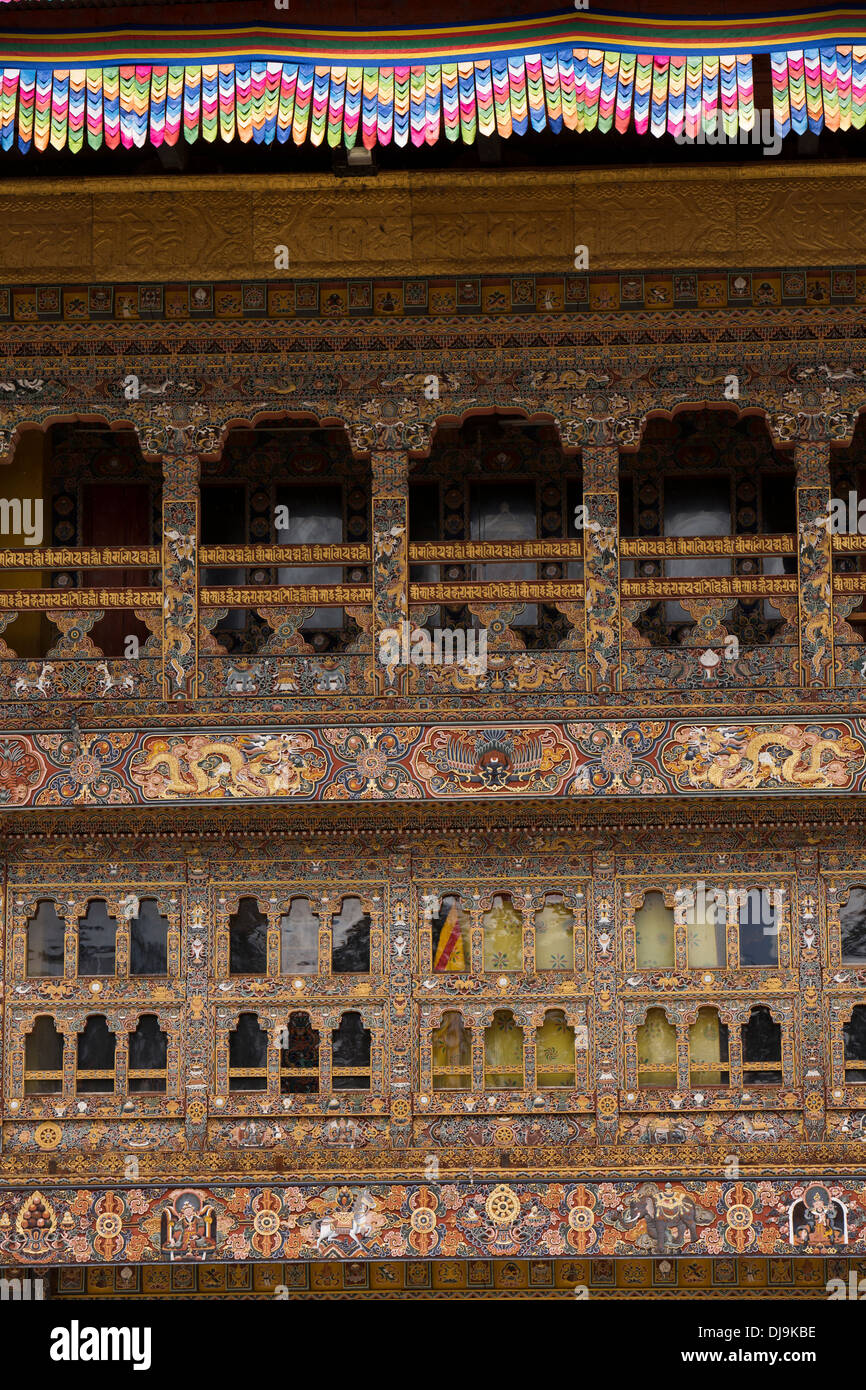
579	72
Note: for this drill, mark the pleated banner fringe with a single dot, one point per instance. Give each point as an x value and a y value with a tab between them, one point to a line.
577	89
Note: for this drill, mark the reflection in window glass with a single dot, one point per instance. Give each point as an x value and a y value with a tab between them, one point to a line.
657	1051
695	506
554	936
148	940
708	1045
852	922
450	937
452	1054
299	939
299	1059
554	1051
503	1053
503	935
45	941
350	953
96	940
759	928
248	939
654	933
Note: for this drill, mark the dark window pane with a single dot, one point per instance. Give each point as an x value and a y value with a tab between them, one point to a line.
248	1047
148	1051
43	1051
854	1039
762	1042
45	941
759	938
301	1054
96	1046
852	921
248	940
351	939
96	940
148	940
351	1048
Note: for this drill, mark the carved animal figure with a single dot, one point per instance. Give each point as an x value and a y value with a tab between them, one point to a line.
110	682
328	681
244	681
23	686
670	1218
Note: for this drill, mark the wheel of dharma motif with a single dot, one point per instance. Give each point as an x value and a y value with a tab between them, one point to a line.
48	1136
502	1206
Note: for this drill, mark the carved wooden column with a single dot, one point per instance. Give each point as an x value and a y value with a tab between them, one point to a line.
814	563
806	917
197	1043
390	474
601	956
180	531
601	566
399	1019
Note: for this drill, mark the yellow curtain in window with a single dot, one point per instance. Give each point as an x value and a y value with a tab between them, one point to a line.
705	1047
452	1047
705	931
654	933
554	938
554	1052
657	1046
503	937
503	1054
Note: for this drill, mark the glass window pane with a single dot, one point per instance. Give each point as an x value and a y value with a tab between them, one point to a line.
503	1053
554	937
96	940
762	1042
450	937
299	939
350	939
43	1051
708	1043
554	1051
854	1039
148	940
704	914
654	933
248	939
452	1054
45	941
657	1051
503	935
852	922
351	1047
759	928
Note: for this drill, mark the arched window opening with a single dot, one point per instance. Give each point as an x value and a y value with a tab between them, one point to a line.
248	939
762	1049
148	940
95	1062
704	913
854	1040
654	933
299	939
708	1050
657	1051
759	923
554	935
148	1056
299	1058
452	1054
97	933
503	1053
248	1055
45	940
43	1059
352	1044
503	935
450	937
554	1051
350	950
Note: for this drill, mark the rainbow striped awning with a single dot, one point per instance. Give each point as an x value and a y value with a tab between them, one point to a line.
578	72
